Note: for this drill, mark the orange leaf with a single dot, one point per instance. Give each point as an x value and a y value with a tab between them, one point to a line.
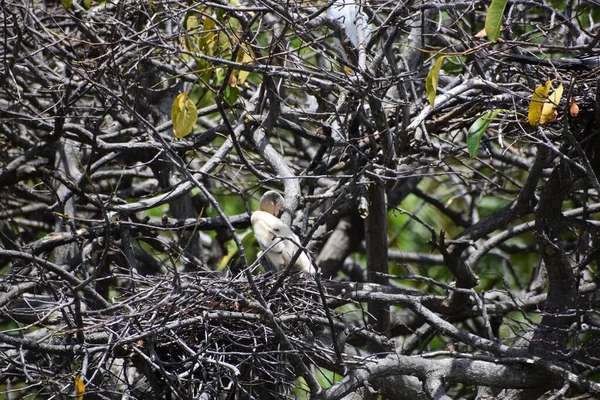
573	108
480	35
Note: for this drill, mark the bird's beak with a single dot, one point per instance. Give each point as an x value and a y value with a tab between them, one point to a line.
277	210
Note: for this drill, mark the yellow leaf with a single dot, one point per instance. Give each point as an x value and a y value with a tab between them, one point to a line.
206	38
538	98
192	23
184	115
79	387
431	81
549	109
246	58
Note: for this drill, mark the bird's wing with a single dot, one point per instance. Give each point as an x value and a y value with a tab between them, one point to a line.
289	247
270	232
304	263
279	242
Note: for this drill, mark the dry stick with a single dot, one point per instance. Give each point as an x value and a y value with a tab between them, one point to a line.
202	224
291	183
287	272
484	372
228	315
584	159
181	189
16	291
336	344
303	370
496	348
377	262
376	219
58	270
34	345
434	387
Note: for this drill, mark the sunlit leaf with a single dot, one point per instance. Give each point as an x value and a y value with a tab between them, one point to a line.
184	115
549	109
493	19
79	387
244	57
67	4
219	76
477	130
432	79
207	37
538	98
191	23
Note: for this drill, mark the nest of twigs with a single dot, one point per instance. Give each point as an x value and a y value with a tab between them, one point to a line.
180	337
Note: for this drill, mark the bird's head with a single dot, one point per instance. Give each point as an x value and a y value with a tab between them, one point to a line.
272	202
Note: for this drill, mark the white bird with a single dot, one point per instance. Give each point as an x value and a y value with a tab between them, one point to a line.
276	239
350	15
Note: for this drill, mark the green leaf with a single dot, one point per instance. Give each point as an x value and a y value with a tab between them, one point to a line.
432	79
184	115
231	94
67	3
493	19
477	130
195	94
